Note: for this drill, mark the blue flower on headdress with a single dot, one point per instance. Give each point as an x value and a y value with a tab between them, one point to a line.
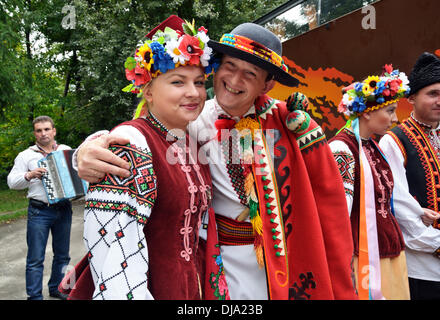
358	105
162	60
380	100
380	87
358	86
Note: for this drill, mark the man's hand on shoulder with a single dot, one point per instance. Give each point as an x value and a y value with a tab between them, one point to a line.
95	159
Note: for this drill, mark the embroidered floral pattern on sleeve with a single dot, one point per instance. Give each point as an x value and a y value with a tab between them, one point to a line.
116	212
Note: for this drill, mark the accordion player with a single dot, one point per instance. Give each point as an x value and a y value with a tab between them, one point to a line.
61	181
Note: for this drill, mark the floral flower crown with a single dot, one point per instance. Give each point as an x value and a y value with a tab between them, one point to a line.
167	50
374	92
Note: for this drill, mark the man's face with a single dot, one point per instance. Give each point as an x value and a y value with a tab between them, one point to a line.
238	83
426	104
44	133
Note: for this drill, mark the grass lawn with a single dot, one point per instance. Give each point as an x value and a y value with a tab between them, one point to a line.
13	205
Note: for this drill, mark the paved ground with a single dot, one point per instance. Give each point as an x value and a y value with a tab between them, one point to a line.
13	255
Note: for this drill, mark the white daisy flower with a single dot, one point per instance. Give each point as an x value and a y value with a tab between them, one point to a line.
347	99
172	48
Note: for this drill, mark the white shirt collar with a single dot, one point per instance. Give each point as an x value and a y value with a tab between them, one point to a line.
424	124
220	111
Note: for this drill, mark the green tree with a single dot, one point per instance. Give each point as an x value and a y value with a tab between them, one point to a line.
76	75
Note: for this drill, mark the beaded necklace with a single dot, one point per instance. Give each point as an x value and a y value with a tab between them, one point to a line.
162	128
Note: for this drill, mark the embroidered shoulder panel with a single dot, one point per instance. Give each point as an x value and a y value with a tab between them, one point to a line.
140	186
264	106
311	138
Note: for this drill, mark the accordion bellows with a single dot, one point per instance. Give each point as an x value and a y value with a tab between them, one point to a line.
61	181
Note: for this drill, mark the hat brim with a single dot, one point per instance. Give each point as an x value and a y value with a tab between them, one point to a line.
279	74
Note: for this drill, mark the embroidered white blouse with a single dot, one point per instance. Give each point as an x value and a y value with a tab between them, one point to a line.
106	245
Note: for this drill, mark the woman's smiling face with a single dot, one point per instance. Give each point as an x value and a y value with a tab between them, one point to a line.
177	97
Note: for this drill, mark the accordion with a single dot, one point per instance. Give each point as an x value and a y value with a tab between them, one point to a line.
61	181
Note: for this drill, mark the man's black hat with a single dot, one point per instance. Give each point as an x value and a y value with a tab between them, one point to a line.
425	72
257	45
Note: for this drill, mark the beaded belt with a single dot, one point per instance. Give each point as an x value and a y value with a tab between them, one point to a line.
234	233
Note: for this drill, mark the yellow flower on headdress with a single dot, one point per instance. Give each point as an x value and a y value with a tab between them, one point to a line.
372	81
366	90
370	85
146	56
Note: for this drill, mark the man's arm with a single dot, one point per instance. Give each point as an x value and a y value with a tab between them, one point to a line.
94	159
20	175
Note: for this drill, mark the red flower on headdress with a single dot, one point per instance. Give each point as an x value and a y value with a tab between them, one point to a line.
203	29
388	68
189	47
139	75
394	86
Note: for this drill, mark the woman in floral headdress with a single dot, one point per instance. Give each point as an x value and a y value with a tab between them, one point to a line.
142	232
379	258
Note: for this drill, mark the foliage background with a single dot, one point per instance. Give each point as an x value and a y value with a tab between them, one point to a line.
76	75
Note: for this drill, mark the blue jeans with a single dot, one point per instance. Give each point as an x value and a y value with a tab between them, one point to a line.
41	221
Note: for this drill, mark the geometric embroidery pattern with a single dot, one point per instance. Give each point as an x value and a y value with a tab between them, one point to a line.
346	166
140	185
117	210
311	139
428	158
345	162
116	206
118	256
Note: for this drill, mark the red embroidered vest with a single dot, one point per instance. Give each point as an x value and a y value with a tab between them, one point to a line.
172	229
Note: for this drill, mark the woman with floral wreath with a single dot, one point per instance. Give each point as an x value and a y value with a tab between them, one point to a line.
142	232
379	257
